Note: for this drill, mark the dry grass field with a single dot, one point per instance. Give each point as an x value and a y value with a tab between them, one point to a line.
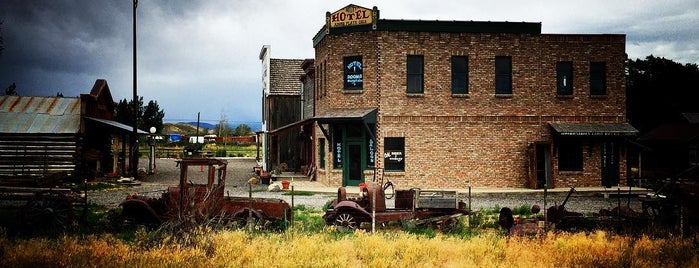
359	249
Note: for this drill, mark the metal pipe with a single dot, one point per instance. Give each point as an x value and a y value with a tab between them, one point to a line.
134	134
250	208
546	219
373	209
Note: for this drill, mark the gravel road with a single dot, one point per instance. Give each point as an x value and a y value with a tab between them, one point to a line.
240	170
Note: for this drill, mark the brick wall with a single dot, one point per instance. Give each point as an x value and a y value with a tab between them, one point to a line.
481	138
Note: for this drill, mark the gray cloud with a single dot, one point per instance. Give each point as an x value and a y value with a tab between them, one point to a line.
201	56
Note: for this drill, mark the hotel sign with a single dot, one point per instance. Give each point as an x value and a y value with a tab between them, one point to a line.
352	15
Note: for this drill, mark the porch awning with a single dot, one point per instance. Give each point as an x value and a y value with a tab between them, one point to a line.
116	125
291	126
367	115
594	129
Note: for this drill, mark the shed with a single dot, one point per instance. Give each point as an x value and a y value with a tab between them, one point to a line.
44	136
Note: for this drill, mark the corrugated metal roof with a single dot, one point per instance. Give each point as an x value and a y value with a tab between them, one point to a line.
22	114
284	76
117	125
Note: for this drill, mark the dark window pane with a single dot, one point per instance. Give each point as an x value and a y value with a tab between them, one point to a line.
415	74
570	156
564	78
459	75
321	152
503	75
598	78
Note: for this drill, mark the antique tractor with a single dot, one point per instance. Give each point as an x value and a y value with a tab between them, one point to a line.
424	207
205	203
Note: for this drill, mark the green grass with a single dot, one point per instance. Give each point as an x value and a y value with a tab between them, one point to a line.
100	186
308	220
299	193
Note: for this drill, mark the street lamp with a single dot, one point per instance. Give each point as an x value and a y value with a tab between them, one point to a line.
151	154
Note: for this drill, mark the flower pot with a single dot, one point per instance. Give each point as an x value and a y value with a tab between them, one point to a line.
265	177
285	185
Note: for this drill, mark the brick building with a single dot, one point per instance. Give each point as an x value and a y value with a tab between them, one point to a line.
441	104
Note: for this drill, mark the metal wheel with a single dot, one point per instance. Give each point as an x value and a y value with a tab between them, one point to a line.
48	212
345	221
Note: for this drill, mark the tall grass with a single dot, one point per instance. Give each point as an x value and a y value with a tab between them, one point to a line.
326	249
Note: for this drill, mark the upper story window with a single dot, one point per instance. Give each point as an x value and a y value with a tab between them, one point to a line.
564	78
415	71
459	75
598	78
503	75
354	73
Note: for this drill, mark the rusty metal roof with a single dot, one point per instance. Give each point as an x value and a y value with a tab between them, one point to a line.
23	114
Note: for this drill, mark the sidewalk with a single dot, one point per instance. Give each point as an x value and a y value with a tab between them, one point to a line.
317	187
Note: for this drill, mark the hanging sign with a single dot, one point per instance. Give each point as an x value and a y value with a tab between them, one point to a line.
352	15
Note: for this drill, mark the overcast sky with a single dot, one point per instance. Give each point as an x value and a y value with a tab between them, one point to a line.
202	56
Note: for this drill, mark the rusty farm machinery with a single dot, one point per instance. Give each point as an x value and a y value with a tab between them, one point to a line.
425	207
198	203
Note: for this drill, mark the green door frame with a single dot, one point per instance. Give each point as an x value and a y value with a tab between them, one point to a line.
349	163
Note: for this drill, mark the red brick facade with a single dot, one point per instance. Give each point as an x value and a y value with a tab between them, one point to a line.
479	137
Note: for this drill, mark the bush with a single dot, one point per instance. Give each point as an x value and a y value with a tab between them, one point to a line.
523	210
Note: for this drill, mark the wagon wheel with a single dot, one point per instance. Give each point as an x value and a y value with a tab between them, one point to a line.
242	220
48	211
346	221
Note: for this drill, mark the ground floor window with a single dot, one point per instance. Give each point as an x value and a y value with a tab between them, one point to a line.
394	153
570	156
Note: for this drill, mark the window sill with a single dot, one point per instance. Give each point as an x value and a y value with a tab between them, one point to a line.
564	96
415	95
352	91
459	95
503	96
598	96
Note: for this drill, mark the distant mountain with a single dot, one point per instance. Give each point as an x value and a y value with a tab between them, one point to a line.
201	125
204	128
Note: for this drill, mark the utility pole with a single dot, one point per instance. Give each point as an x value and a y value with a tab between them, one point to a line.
134	134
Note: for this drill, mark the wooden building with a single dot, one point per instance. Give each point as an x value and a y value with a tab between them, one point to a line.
42	136
287	107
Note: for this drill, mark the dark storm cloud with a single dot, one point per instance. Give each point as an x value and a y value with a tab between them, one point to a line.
201	56
47	41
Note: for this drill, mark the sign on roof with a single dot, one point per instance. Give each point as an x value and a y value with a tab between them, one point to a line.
352	15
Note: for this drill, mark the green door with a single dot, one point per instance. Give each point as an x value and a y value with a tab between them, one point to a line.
353	168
